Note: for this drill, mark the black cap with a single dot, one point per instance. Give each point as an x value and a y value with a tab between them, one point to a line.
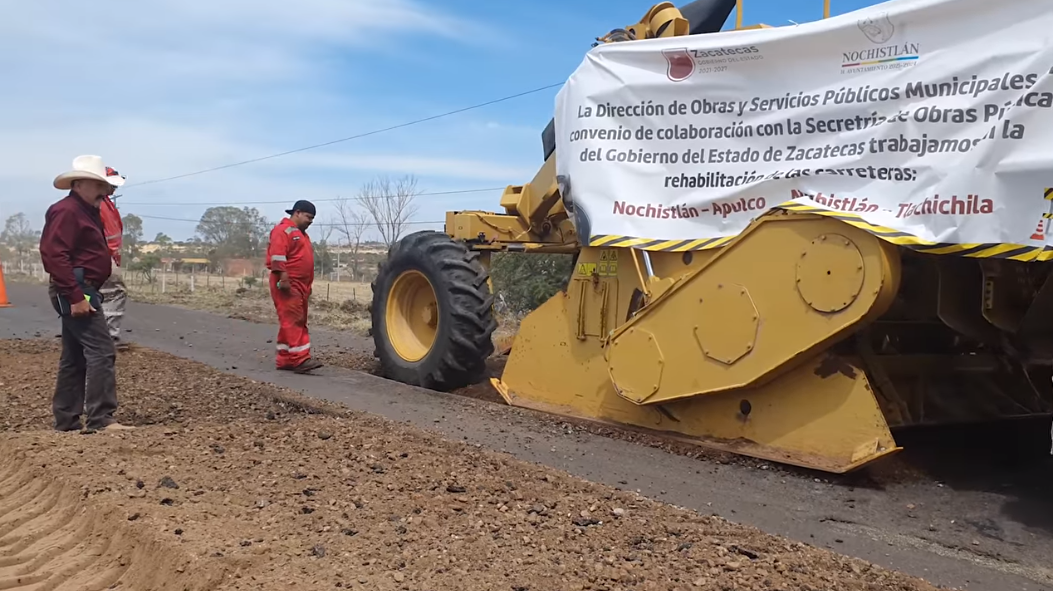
302	205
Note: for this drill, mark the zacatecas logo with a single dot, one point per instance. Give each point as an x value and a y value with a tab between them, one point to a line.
679	64
682	63
880	31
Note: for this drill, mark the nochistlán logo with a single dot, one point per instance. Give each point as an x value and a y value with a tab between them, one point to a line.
882	54
679	64
878	29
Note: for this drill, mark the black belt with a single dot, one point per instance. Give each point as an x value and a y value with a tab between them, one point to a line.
91	284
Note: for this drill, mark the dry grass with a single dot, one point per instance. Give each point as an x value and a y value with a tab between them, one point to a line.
255	305
333	291
340	305
17	277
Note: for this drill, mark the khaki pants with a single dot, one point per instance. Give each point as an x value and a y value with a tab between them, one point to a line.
114	300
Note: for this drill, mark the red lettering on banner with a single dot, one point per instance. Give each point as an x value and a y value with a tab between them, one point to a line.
739	205
971	205
832	201
658	212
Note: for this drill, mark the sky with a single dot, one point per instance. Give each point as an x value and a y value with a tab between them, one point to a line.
168	88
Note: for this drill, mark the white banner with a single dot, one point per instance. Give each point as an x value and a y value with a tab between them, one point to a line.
929	122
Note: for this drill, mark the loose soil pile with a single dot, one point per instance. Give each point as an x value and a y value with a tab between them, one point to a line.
236	484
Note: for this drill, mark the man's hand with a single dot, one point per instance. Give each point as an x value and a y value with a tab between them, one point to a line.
81	308
283	281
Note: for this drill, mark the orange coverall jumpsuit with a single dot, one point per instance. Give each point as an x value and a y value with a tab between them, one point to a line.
113	226
290	250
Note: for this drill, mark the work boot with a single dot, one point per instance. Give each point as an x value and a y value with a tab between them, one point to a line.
115	426
308	365
111	428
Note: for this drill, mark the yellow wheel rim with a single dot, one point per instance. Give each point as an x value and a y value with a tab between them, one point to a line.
412	315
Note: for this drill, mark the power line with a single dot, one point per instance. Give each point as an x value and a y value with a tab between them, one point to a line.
353	137
186	203
315	225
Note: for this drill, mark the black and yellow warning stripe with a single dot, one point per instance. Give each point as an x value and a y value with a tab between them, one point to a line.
1017	252
615	241
894	236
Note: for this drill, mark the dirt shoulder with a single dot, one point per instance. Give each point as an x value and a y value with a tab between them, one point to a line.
236	484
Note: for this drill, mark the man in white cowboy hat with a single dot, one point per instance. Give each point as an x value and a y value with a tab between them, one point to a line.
75	254
114	292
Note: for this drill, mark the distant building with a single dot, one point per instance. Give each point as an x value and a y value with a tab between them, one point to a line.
185	265
150	247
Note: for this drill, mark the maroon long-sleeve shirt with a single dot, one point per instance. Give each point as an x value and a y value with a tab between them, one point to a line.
73	237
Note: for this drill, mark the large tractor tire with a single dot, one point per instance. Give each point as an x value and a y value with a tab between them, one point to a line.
432	313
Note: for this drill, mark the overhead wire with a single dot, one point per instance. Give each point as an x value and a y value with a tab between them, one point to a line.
329	143
349	138
231	203
316	224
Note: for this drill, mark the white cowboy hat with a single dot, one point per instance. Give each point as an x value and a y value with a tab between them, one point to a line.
85	167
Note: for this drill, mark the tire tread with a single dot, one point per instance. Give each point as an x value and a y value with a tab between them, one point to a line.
462	355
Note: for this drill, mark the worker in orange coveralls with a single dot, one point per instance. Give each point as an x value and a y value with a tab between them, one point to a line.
290	259
113	290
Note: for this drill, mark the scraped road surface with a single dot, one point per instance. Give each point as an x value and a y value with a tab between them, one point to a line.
974	522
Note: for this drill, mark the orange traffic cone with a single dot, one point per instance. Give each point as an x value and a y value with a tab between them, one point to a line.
1040	231
4	302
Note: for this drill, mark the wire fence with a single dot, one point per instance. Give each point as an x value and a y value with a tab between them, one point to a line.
192	282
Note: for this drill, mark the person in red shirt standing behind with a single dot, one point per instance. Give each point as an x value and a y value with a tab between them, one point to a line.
290	259
113	291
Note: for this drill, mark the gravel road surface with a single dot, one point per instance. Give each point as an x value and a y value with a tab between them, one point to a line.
957	512
229	483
